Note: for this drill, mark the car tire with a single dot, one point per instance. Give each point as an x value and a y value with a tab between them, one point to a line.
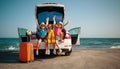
68	53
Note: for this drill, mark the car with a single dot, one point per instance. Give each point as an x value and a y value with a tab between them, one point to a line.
42	11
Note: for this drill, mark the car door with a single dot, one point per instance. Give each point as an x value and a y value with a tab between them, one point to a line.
22	35
75	35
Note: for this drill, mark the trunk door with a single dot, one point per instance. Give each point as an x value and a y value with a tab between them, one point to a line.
44	11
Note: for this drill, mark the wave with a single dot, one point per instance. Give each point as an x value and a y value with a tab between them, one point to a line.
11	48
115	46
9	43
13	44
97	44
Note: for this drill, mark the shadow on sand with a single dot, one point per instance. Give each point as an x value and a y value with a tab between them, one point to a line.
13	57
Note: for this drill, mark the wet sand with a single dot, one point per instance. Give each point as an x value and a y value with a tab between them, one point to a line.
79	59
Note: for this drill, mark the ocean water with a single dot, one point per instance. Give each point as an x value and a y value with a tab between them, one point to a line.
13	43
99	43
9	43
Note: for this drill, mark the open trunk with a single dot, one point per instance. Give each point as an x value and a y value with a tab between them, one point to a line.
43	11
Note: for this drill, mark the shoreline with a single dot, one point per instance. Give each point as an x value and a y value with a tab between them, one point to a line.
79	59
72	48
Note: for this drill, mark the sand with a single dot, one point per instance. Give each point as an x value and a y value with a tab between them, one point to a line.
79	59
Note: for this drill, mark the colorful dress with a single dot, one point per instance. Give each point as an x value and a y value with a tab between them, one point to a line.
57	32
51	36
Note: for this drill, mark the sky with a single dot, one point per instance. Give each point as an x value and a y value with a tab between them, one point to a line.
97	18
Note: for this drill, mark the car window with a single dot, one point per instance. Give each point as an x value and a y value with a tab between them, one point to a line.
43	15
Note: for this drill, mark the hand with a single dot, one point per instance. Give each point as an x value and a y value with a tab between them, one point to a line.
47	19
54	17
68	21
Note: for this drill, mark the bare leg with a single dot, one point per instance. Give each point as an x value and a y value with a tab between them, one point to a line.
39	41
61	35
54	50
58	46
47	52
47	49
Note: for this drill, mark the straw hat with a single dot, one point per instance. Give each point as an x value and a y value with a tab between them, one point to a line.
60	23
42	23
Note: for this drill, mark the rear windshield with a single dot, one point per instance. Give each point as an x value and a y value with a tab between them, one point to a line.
43	15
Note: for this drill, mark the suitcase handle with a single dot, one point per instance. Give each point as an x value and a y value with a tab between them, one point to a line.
31	51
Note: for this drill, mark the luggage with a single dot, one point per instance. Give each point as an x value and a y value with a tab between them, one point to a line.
25	38
26	53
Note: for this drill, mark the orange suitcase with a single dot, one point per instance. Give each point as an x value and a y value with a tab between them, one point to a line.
26	53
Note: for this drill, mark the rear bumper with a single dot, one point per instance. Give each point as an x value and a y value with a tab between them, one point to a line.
42	51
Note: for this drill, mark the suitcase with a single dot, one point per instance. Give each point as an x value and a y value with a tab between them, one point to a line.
26	53
25	38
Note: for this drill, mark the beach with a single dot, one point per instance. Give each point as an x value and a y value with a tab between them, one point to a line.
79	59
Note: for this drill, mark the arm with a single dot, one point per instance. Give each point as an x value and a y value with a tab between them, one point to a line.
47	21
66	23
54	22
37	24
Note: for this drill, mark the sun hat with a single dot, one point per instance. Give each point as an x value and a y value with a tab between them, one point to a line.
60	23
42	23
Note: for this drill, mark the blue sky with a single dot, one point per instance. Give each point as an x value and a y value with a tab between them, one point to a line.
97	18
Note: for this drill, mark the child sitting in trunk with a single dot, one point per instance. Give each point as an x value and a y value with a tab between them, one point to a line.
51	37
41	35
60	32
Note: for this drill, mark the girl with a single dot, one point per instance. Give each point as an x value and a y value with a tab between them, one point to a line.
60	32
41	35
50	38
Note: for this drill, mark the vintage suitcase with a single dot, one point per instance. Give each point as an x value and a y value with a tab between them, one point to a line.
26	53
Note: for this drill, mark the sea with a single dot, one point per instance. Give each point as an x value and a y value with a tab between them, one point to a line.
85	43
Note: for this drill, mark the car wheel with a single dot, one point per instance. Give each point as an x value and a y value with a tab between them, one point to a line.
68	53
